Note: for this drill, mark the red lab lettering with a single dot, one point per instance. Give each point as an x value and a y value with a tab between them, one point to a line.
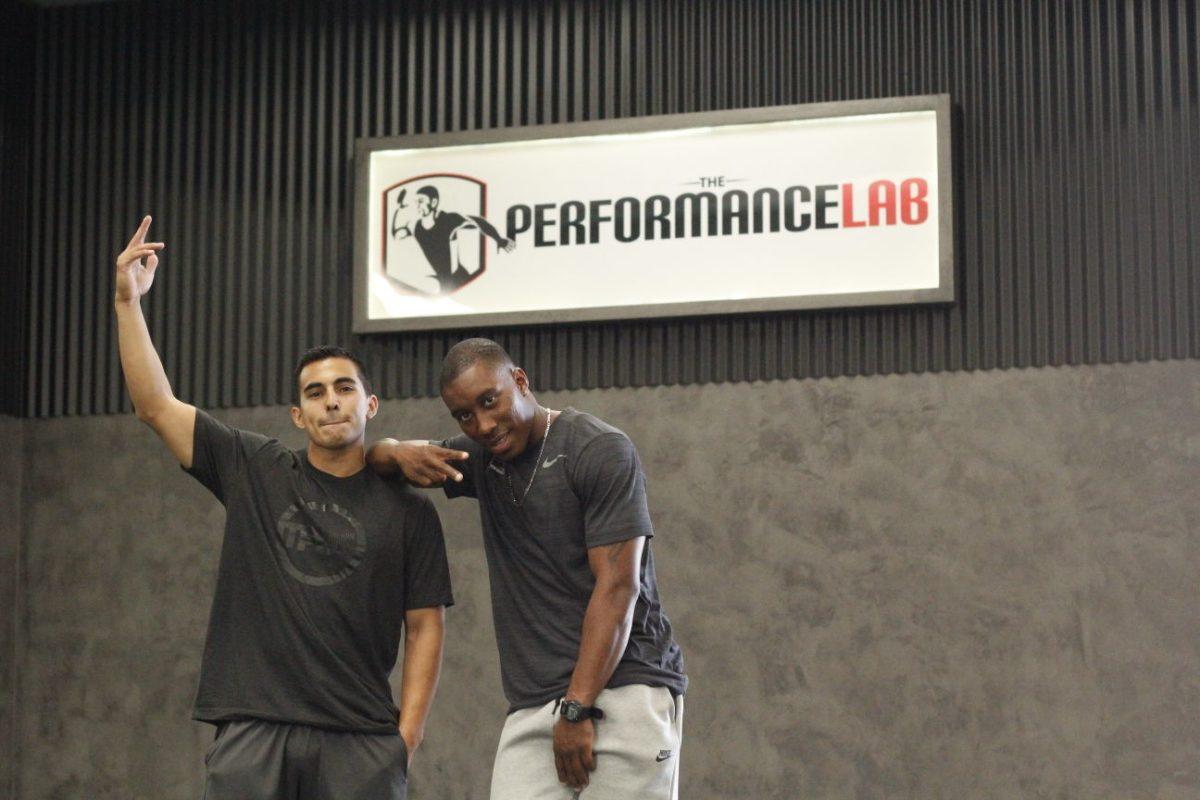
881	203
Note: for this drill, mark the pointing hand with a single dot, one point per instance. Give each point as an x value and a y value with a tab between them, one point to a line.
136	265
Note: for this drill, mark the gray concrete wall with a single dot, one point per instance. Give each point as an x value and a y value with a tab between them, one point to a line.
941	586
11	469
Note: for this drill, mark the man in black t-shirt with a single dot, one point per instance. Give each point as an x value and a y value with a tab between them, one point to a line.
324	565
589	663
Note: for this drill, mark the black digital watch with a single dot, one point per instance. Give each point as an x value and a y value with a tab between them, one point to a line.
574	711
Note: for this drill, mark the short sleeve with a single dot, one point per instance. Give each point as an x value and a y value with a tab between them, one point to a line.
426	570
465	487
611	487
219	452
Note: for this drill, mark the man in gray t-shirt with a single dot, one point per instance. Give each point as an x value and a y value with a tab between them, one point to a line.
590	668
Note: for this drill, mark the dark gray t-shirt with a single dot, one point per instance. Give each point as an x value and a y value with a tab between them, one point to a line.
316	573
589	491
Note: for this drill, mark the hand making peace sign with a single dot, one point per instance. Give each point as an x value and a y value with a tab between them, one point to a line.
136	265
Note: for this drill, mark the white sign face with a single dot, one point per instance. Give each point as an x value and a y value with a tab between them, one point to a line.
775	214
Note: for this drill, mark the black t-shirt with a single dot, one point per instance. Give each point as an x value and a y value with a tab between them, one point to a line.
589	491
435	244
316	573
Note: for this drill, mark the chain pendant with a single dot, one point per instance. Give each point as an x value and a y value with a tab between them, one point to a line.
536	465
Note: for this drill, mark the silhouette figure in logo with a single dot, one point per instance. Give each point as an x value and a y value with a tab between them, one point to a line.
436	231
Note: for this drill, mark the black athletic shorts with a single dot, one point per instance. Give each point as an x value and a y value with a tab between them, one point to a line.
260	760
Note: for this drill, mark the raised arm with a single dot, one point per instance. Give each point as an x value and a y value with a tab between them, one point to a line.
153	400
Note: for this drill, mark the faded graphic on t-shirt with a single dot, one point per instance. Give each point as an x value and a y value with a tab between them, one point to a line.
320	543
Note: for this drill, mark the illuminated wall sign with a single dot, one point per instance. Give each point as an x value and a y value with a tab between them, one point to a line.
815	206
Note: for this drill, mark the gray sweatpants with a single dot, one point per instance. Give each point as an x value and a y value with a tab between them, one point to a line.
637	750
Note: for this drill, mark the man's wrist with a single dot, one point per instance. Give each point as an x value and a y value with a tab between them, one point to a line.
412	738
573	711
583	698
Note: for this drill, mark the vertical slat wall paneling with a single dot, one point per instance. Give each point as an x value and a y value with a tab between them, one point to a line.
17	143
44	248
1186	95
32	223
1076	128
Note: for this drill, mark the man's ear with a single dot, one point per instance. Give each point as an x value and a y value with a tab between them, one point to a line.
297	419
372	407
521	379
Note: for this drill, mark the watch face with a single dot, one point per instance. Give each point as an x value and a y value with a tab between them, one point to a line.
572	711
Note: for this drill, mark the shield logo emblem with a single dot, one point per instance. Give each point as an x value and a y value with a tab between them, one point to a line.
434	227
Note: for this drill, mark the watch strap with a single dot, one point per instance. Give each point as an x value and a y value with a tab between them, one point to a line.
583	712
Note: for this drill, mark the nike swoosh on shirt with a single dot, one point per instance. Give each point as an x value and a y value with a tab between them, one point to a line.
549	462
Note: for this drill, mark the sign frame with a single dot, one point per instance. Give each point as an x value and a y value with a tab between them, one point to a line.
943	293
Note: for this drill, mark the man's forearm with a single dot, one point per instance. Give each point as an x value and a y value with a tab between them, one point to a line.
417	461
149	388
422	667
606	627
380	458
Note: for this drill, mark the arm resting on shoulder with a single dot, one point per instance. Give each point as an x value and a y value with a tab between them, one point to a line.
418	461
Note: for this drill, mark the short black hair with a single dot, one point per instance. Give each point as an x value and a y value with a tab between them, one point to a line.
469	352
429	191
324	351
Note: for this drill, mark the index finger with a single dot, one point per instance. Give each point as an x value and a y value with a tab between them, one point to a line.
139	235
446	454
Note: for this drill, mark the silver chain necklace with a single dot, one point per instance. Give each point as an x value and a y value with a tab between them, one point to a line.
536	465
